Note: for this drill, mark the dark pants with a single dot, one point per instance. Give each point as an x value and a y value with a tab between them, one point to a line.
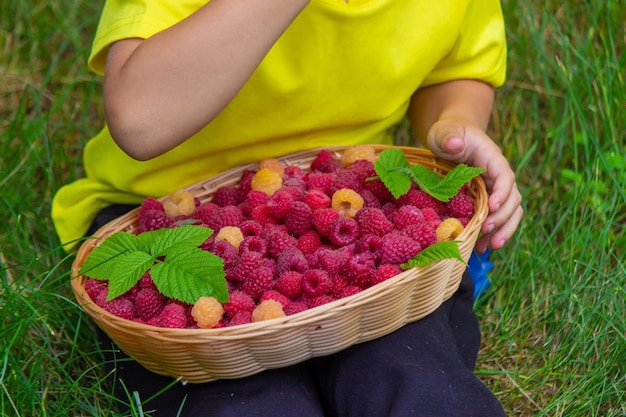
424	368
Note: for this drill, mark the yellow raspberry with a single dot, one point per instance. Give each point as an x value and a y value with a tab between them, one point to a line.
448	229
355	153
231	234
179	203
273	164
266	180
207	312
267	310
347	202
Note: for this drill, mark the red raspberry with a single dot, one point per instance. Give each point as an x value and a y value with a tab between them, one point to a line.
421	200
248	264
343	231
322	219
173	316
241	317
204	212
373	221
291	259
317	199
93	287
346	179
121	307
431	217
379	189
279	204
423	233
153	220
337	285
320	300
238	301
369	199
149	303
280	241
226	251
324	155
363	168
461	205
332	261
290	284
407	215
276	296
293	171
390	210
261	216
146	281
256	198
309	241
254	243
296	191
370	244
360	269
245	183
251	228
227	196
150	203
321	180
299	218
398	249
295	307
256	284
350	290
225	216
386	271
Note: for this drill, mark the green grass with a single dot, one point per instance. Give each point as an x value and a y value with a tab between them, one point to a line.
554	332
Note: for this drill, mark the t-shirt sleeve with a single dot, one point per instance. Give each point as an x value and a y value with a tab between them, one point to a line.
480	49
123	19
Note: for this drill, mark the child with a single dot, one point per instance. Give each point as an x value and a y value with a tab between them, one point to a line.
193	88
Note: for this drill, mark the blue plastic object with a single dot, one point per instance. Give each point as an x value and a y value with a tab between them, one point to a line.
478	268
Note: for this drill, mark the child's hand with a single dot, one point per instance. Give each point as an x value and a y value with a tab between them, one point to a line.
464	143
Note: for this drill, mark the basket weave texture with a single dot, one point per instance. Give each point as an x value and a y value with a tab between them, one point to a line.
202	355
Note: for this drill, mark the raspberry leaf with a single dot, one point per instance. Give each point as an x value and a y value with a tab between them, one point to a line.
161	240
397	174
433	253
186	274
129	267
104	257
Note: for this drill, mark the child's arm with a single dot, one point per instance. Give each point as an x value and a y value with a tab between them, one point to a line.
451	118
160	91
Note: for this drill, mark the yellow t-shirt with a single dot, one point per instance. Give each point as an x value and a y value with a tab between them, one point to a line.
341	74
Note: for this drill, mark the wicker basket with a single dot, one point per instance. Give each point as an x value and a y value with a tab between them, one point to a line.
202	355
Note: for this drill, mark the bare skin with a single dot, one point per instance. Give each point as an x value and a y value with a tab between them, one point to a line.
155	101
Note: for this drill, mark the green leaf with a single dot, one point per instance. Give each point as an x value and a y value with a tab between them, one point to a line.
394	170
129	268
102	259
452	182
159	241
186	274
435	252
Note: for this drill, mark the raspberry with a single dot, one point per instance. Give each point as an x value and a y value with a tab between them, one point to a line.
379	189
431	217
146	281
255	198
225	250
421	200
254	244
337	285
93	287
238	301
229	195
273	164
297	192
343	231
267	310
333	260
315	282
320	300
461	205
248	264
291	259
449	229
207	312
347	202
245	182
407	215
357	152
153	220
398	249
241	317
369	199
317	199
322	157
320	180
322	219
279	204
370	244
121	307
261	216
276	296
386	271
225	216
423	233
149	303
359	270
347	179
231	234
373	221
174	316
179	203
289	284
350	290
204	212
266	180
251	228
279	241
258	282
293	171
295	307
298	219
363	168
148	204
309	241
